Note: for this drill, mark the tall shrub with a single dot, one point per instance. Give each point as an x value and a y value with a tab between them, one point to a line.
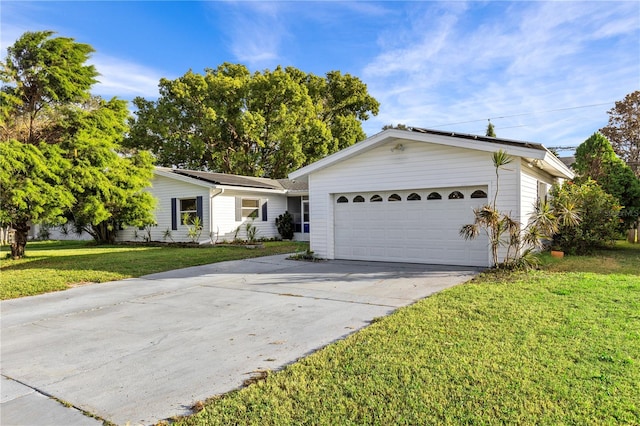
598	217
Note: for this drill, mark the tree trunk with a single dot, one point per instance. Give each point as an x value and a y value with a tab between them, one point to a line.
20	240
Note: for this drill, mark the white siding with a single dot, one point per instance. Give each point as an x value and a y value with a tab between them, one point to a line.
530	179
164	189
221	223
419	165
224	214
62	232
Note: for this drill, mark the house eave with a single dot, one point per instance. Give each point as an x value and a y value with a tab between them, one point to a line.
168	173
530	151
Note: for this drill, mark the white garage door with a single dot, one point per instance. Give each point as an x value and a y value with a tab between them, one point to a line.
417	226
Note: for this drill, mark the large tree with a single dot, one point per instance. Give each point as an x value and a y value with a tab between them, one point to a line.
623	130
262	124
60	145
109	188
41	72
596	160
31	188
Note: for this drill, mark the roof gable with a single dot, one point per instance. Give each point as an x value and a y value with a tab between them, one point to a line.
527	150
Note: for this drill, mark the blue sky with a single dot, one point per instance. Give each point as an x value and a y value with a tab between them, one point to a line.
542	71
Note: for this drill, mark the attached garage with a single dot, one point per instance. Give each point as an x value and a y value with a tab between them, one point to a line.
403	195
416	226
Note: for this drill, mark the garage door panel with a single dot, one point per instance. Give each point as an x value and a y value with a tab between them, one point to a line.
422	231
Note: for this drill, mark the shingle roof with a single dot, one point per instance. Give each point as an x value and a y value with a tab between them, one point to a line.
242	181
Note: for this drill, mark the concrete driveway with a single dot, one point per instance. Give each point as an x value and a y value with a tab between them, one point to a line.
141	350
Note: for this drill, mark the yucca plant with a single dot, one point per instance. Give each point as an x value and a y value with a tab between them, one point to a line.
521	242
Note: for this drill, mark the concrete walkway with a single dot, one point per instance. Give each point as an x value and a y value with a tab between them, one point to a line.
145	349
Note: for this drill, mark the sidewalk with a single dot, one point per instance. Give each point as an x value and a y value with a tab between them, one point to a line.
23	406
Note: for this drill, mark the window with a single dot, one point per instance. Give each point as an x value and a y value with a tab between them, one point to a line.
456	195
434	196
543	191
188	210
414	197
376	199
358	199
342	199
185	210
394	197
250	207
479	194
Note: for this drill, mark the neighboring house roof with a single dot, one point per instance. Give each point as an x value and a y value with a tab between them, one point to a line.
224	179
568	161
535	153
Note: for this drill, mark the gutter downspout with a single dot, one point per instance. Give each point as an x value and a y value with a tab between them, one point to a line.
211	197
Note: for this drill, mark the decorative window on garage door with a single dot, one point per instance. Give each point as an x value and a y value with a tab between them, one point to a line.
394	197
456	195
376	199
434	196
358	199
342	199
478	194
414	197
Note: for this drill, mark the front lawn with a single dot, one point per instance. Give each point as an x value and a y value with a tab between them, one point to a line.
57	265
556	346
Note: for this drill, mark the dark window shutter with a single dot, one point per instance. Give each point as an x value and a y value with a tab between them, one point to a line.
238	209
264	211
199	209
174	214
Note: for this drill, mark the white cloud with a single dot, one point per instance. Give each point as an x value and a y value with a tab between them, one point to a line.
471	64
124	79
255	30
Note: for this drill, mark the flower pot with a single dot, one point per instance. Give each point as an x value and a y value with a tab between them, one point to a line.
557	253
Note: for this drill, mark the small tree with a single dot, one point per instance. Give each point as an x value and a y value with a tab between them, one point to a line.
596	160
503	231
491	132
284	223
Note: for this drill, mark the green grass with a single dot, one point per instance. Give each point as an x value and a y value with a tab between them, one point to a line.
623	258
556	346
57	265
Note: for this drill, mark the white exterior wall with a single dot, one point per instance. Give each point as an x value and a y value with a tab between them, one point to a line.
530	178
62	232
224	214
419	165
164	189
218	211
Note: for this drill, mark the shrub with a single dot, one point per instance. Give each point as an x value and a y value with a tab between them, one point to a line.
284	223
598	217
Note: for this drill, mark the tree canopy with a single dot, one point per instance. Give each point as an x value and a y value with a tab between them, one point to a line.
31	187
623	130
41	71
267	123
596	160
60	146
108	187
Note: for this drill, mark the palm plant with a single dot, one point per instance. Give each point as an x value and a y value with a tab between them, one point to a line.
503	231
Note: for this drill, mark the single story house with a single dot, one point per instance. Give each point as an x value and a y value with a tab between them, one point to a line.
403	195
224	203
